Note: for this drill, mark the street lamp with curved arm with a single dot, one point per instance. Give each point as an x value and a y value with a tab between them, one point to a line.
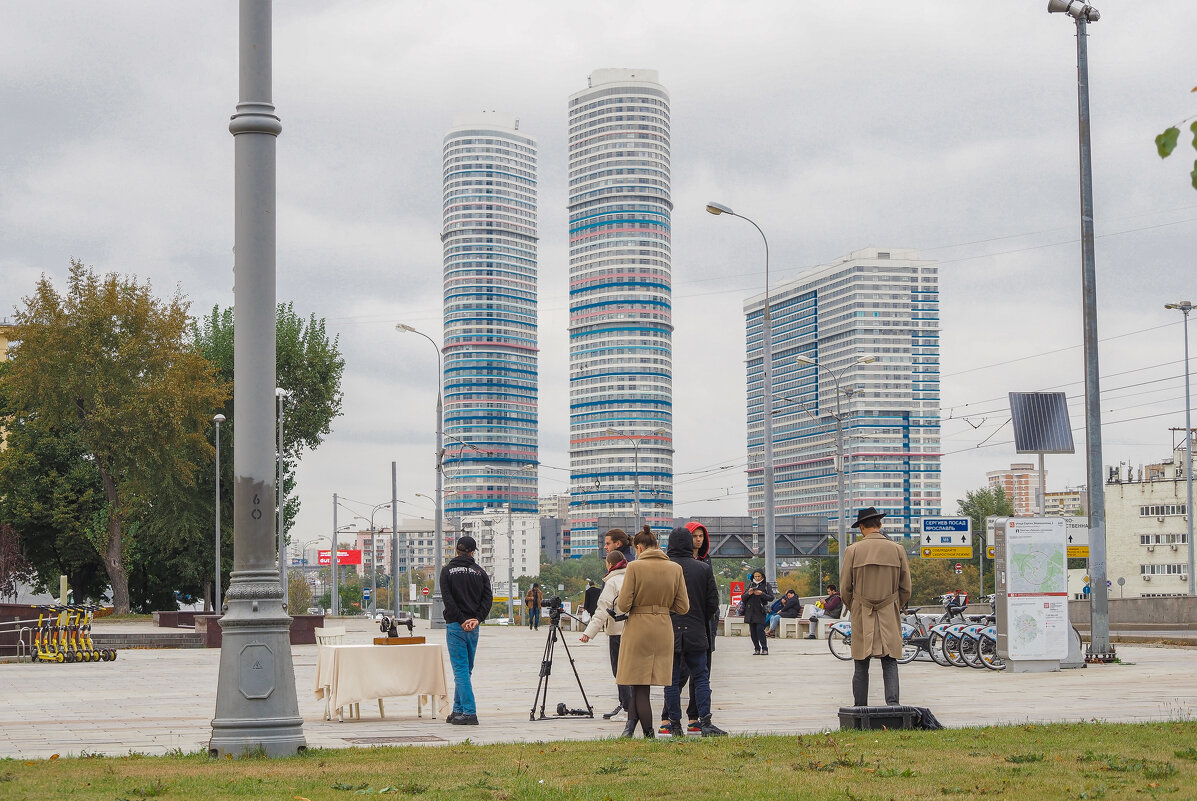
842	539
636	440
767	405
436	616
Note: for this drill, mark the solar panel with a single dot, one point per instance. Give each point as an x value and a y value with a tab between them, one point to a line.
1041	422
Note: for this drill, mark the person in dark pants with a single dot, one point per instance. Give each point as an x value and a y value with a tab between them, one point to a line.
604	619
702	549
590	597
691	636
465	588
532	605
875	585
757	597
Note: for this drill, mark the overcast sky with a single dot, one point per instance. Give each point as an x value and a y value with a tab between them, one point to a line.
948	127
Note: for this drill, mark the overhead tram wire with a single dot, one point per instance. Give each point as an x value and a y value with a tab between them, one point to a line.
1078	429
562	305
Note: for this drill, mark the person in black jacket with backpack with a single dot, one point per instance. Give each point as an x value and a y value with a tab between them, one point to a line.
465	588
691	635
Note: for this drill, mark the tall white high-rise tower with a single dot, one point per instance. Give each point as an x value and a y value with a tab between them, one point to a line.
620	327
490	354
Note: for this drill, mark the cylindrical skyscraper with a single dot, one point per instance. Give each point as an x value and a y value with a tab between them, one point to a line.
490	351
620	326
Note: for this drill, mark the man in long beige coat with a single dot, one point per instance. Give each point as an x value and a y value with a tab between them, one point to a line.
652	587
875	586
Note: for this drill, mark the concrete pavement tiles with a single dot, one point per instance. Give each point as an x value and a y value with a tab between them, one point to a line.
155	701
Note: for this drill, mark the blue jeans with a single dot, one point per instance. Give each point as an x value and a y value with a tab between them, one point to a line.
533	617
462	647
695	663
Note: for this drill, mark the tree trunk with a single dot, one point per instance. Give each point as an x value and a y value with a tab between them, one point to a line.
113	562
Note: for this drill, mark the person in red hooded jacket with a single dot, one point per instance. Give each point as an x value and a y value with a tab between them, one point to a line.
702	550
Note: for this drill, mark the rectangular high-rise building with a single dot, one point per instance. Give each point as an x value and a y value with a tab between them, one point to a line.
620	321
870	324
490	345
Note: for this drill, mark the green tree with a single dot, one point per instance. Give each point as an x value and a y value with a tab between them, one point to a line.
49	492
111	363
978	505
309	366
14	567
1165	143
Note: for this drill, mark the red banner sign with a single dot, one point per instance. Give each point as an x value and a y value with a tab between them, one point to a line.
344	557
737	593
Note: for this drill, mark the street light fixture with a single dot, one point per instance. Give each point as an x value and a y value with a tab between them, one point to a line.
636	440
1184	307
841	513
1099	645
436	616
217	419
767	406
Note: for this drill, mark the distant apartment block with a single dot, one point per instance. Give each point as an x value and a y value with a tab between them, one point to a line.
1147	538
874	303
1021	483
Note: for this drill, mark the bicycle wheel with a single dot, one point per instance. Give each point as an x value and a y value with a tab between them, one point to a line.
970	651
951	649
839	645
989	654
935	645
909	652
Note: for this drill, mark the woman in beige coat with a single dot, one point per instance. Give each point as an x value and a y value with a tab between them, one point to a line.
653	587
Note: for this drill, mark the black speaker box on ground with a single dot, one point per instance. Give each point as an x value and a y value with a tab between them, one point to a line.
879	717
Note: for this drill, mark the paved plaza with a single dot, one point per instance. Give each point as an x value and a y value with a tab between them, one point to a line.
155	701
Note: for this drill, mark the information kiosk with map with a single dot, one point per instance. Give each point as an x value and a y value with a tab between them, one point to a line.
1031	559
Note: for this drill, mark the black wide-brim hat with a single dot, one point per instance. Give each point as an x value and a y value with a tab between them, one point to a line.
866	515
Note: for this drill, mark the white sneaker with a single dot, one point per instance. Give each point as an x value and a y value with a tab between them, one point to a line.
619	717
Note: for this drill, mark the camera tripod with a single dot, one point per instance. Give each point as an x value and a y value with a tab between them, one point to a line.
546	669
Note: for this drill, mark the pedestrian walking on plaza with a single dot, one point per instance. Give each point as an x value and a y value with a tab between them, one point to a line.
875	585
532	605
691	636
605	620
465	588
653	587
757	597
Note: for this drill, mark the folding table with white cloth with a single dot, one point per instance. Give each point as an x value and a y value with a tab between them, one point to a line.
346	675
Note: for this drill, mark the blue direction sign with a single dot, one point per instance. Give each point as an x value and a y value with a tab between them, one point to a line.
946	537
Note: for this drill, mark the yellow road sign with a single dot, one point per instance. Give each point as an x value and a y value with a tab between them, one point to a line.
1078	551
948	552
989	552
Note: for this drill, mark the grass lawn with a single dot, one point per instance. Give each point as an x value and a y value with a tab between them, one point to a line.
1036	763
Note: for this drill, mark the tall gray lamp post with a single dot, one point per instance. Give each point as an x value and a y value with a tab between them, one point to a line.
766	407
1083	13
257	710
374	557
841	513
437	614
1184	307
636	440
218	419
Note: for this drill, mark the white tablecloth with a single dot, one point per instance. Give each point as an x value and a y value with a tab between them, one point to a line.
355	673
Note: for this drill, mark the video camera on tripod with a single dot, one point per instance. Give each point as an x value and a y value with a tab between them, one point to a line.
556	609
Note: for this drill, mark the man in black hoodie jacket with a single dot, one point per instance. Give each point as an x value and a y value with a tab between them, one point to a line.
465	588
691	635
